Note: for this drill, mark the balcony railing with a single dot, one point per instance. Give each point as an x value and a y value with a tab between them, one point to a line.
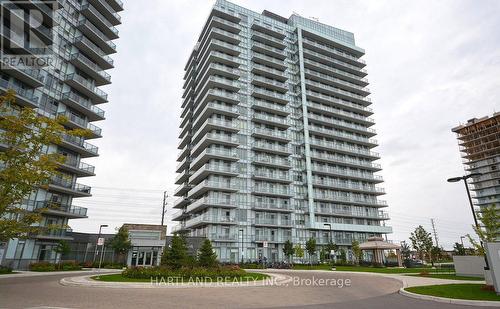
82	102
49	205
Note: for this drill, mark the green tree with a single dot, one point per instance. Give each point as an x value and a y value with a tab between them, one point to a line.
436	254
207	256
489	217
299	251
343	256
24	135
356	251
288	249
176	255
62	248
421	241
458	249
311	248
121	243
406	254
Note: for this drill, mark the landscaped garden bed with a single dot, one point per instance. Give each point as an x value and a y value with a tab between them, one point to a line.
46	266
467	291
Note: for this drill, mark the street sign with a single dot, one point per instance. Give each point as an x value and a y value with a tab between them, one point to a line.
265	244
100	241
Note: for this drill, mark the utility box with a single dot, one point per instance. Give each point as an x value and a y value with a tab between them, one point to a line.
493	255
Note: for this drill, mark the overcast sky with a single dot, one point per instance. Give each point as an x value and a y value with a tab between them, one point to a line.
431	65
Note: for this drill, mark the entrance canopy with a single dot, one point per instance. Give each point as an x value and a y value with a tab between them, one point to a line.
377	245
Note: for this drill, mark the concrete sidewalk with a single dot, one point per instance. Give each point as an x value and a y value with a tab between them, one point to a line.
21	274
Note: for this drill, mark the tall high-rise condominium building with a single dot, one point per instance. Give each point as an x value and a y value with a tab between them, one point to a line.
275	139
479	142
70	41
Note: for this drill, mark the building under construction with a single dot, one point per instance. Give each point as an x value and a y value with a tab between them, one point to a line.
479	141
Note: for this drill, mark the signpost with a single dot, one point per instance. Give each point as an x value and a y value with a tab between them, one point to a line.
100	242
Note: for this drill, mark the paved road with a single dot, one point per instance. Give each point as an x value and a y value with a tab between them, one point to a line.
364	292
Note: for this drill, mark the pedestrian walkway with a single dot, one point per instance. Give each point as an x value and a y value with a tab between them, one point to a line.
21	274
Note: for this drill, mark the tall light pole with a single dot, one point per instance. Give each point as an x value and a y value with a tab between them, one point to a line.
98	236
165	195
464	179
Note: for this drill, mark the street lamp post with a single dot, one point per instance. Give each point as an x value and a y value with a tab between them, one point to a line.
476	223
98	236
462	241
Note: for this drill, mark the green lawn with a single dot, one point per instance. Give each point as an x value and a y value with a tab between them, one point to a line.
382	270
120	278
448	276
312	267
468	291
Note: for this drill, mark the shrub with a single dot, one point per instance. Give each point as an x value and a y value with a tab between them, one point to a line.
5	270
47	266
42	266
183	272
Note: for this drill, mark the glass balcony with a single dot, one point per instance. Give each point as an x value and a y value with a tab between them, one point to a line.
343	136
81	169
332	111
117	5
91	68
86	87
334	62
272	148
268	61
338	92
220	34
332	81
210	219
223	237
326	69
321	169
211	169
208	201
271	134
202	113
334	52
344	148
97	36
270	221
280	206
29	76
107	11
330	183
271	190
51	234
98	20
272	161
218	95
349	199
68	187
273	120
214	138
64	210
269	50
267	71
78	144
224	24
272	176
207	185
82	105
321	156
94	51
214	153
313	95
269	83
267	39
24	97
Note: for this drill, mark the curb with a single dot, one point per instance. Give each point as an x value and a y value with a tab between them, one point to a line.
479	303
86	281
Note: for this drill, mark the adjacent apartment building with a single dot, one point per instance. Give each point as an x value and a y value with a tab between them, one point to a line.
479	142
276	139
77	34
